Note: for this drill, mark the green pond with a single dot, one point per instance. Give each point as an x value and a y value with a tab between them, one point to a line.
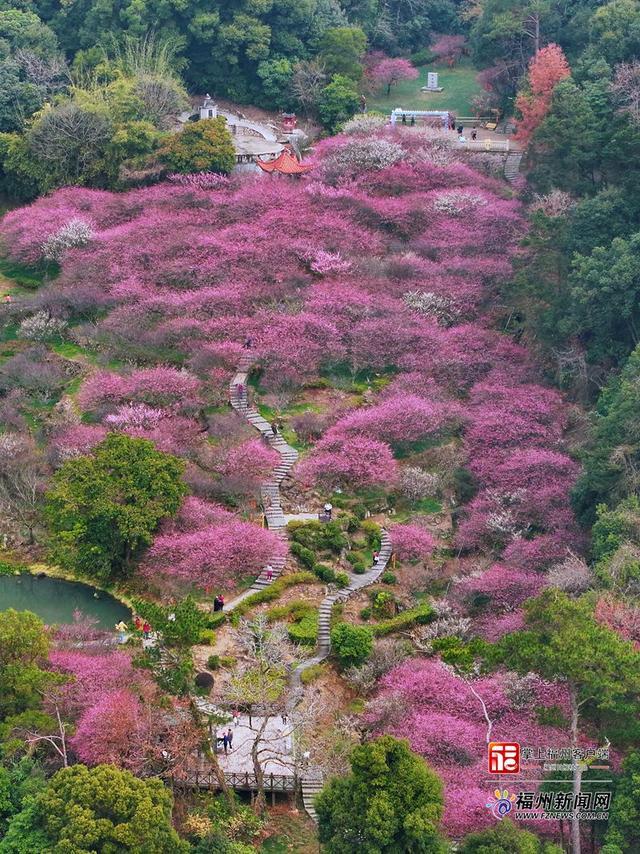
55	600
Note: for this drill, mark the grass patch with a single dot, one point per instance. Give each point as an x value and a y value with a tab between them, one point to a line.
420	614
13	274
312	673
273	591
459	87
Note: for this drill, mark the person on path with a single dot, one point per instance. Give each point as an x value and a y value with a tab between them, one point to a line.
247	343
216	604
225	742
236	717
328	510
474	134
121	628
137	622
376	555
146	629
274	428
269	572
460	130
230	738
221	600
240	389
285	717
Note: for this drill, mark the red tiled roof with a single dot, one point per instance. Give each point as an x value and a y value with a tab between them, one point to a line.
286	163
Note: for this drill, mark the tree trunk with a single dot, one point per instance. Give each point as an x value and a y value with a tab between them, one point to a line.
222	783
577	771
260	803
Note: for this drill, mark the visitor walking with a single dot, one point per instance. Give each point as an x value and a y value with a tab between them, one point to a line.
474	134
218	603
460	130
376	556
285	717
236	717
248	343
230	738
274	428
269	572
121	628
240	389
328	510
225	742
146	629
221	600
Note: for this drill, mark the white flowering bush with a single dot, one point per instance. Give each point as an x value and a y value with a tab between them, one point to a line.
572	575
456	202
416	483
365	124
555	203
41	326
77	232
362	155
432	305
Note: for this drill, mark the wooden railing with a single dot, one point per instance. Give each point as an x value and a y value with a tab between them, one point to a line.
239	780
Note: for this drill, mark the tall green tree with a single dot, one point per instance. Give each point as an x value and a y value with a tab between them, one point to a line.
97	809
341	51
338	102
24	645
390	802
623	831
612	463
562	641
103	508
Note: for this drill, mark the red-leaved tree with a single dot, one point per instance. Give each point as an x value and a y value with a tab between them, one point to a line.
547	68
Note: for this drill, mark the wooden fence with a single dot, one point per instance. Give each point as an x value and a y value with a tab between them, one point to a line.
239	781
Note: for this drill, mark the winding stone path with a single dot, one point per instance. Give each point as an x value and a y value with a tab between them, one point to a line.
324	616
270	489
311	780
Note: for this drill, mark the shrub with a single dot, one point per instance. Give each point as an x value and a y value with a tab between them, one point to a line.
365	613
388	577
305	631
383	604
373	534
342	579
305	556
207	637
216	619
351	644
213	662
359	567
204	146
312	673
325	573
421	614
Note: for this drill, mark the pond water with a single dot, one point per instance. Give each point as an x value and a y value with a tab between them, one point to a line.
55	600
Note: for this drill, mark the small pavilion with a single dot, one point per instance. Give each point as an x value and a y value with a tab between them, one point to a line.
286	163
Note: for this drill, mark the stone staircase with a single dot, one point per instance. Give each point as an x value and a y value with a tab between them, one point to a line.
270	489
324	617
512	165
311	784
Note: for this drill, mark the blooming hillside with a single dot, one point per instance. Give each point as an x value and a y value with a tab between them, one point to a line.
376	273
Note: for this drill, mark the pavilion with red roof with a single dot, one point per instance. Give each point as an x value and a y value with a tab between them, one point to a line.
286	163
